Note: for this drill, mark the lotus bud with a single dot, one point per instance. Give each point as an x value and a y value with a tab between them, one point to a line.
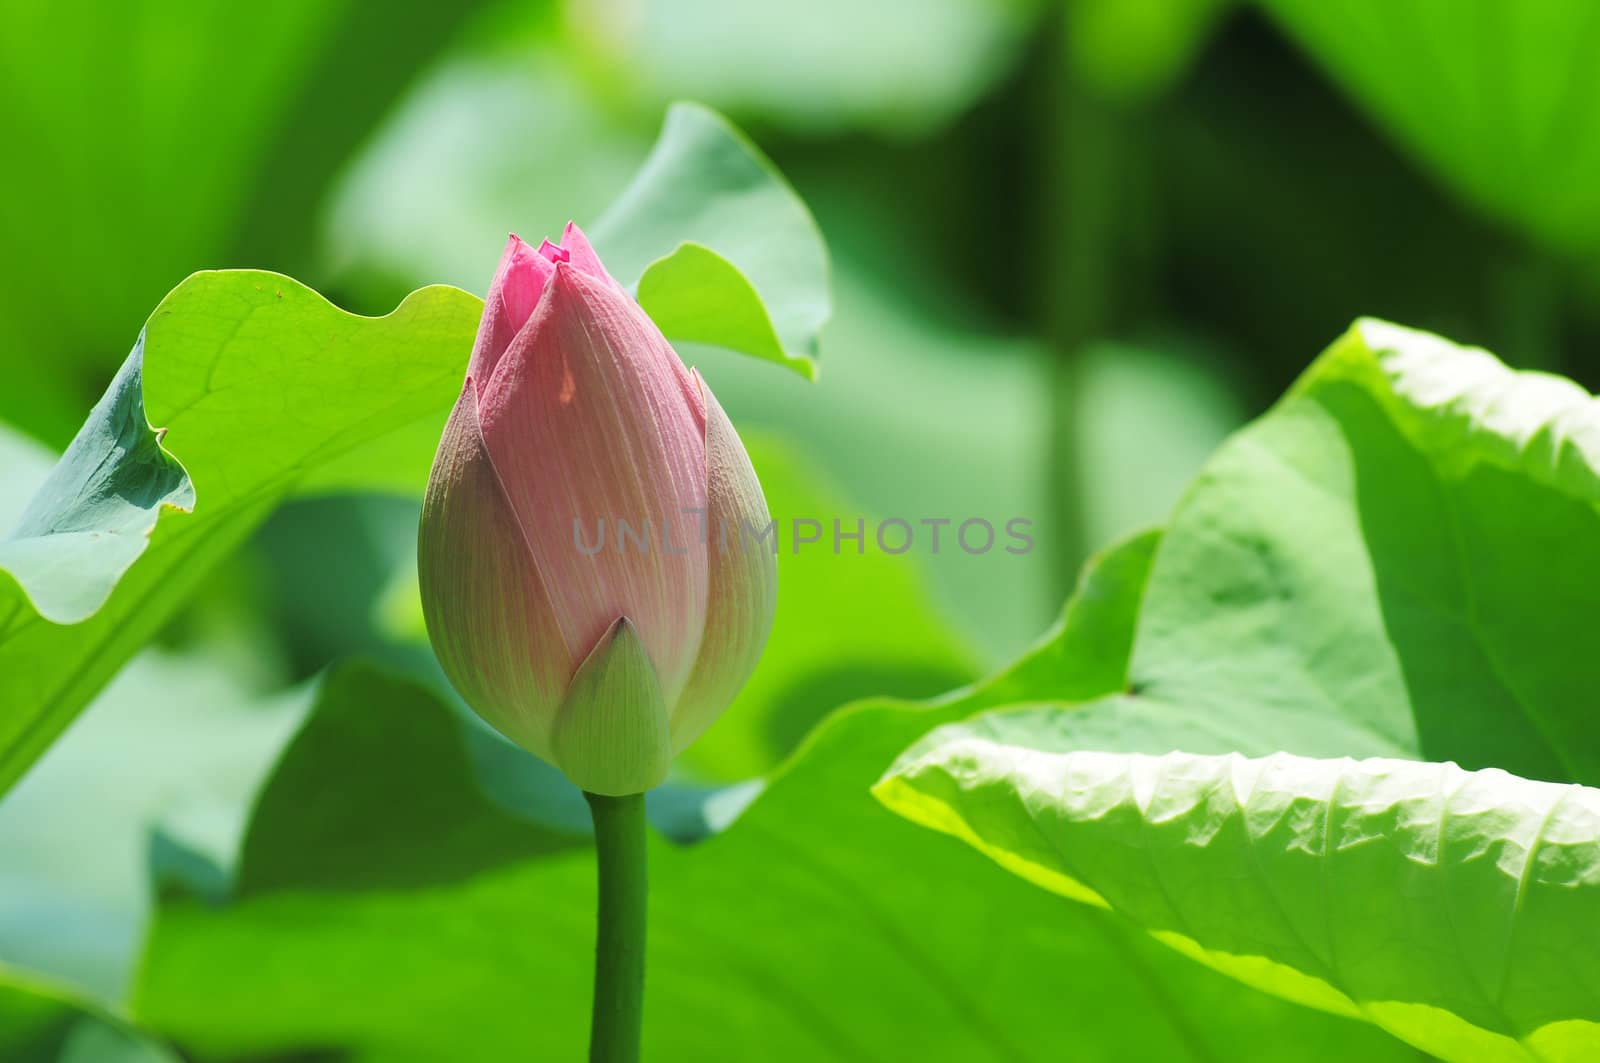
588	580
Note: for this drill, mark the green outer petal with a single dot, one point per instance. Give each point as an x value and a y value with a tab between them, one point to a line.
610	736
742	580
489	617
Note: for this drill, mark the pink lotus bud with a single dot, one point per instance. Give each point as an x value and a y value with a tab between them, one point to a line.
587	578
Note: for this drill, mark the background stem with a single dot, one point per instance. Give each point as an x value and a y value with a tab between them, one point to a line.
1084	210
619	838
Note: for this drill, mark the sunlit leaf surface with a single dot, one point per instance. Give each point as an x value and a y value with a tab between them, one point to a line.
1456	909
1396	562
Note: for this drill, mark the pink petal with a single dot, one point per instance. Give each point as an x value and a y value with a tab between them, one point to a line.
489	616
514	292
584	258
587	422
742	580
583	254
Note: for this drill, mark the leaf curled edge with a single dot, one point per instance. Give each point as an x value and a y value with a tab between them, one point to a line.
92	517
1458	910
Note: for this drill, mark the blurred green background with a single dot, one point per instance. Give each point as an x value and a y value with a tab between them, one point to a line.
1073	245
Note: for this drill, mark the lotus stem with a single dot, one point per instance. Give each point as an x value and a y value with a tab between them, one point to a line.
619	837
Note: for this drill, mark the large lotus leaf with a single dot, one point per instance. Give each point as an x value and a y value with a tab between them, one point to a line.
1498	98
1459	910
1398	561
815	927
262	389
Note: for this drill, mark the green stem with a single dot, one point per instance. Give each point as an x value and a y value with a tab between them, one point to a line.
619	839
1529	304
1090	205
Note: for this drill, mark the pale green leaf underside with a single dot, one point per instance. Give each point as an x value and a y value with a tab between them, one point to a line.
1459	910
91	517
